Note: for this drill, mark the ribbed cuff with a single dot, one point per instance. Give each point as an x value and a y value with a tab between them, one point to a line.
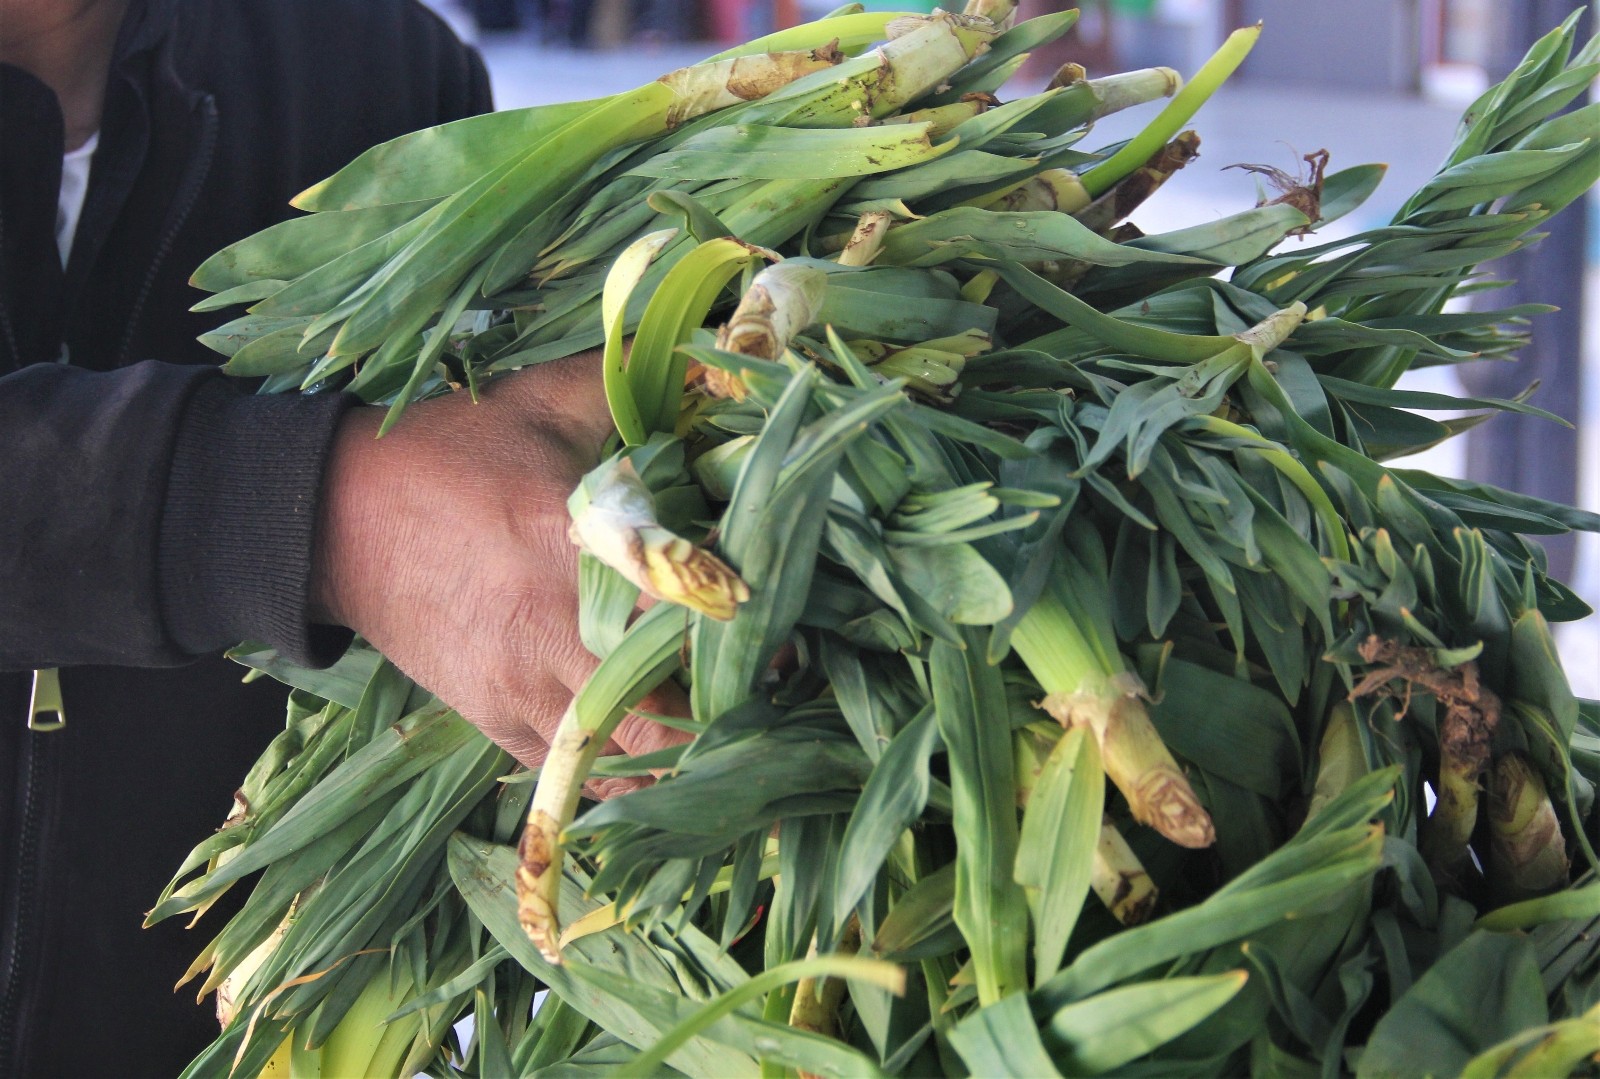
238	530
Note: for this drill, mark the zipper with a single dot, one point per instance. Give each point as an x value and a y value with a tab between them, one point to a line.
8	333
40	754
39	762
188	195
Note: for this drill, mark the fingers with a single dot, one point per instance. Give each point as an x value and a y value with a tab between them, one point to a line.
519	740
614	786
637	735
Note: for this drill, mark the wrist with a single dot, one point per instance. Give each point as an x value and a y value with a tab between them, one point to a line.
353	489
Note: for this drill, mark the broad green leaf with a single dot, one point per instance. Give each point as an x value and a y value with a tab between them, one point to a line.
1027	236
1228	726
755	151
990	907
438	161
1437	1027
889	303
964	167
881	974
1579	903
1001	1040
1056	848
894	797
234	337
299	245
956	580
1113	1028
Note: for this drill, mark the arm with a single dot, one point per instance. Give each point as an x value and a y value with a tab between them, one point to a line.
155	513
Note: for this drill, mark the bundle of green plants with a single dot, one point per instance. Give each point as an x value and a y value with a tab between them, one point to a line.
1074	687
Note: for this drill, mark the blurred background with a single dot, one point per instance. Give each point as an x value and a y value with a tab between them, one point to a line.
1367	80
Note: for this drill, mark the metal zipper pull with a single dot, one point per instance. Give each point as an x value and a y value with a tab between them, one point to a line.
45	712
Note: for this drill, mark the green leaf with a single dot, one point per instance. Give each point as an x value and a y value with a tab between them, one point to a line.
343	683
889	303
1228	726
850	31
1113	1028
678	307
872	971
1569	904
1482	991
770	534
1124	336
1303	877
234	337
439	161
990	907
401	752
1002	1039
1056	848
920	916
1028	236
754	151
648	1007
1557	1049
299	245
956	580
966	167
894	797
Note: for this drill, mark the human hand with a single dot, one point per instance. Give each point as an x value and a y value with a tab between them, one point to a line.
444	543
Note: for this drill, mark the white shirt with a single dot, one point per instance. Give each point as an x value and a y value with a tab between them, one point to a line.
74	185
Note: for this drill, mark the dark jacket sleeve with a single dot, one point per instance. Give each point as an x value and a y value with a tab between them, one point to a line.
155	513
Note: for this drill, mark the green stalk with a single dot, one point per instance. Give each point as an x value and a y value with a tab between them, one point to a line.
921	53
1087	684
999	12
867	240
1340	758
1131	191
715	85
1179	111
942	119
782	300
1120	879
1053	189
644	657
817	999
614	519
1527	854
1113	93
